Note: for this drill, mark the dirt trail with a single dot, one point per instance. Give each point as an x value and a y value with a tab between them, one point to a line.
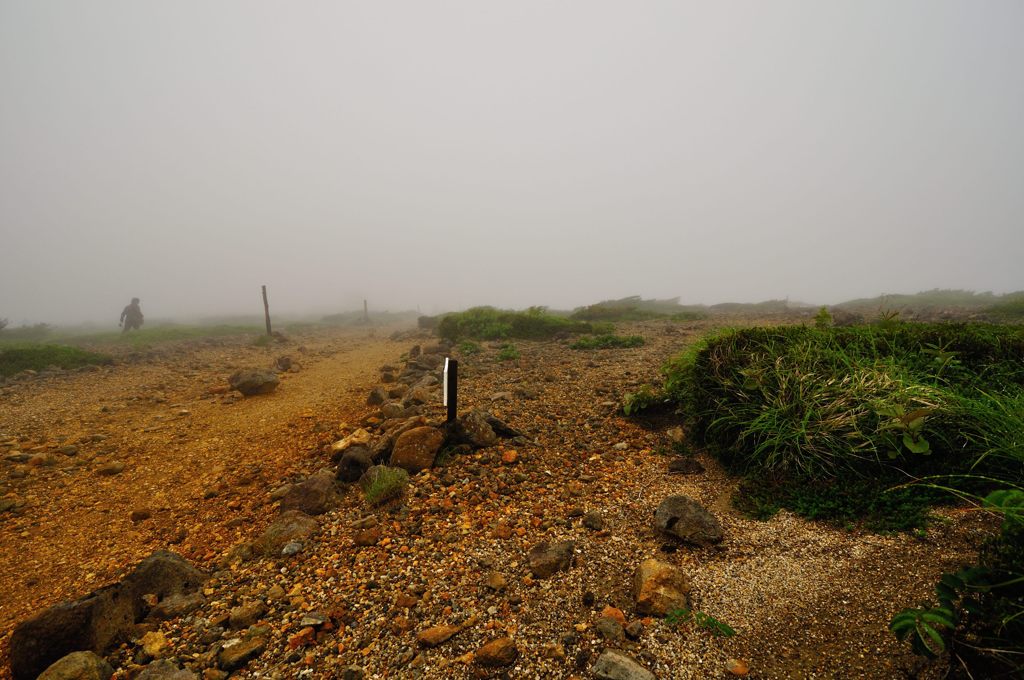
76	530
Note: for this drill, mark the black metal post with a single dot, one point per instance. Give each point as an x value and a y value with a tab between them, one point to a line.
451	387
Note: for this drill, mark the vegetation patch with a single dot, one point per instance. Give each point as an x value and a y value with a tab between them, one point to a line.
488	323
875	425
608	342
508	353
38	357
386	484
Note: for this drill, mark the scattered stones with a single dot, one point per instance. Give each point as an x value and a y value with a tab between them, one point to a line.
548	558
686	519
251	382
616	665
497	653
659	587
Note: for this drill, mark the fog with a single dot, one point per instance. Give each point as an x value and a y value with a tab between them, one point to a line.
437	155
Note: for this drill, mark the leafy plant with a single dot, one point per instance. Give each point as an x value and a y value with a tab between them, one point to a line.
644	398
508	353
676	617
908	424
979	615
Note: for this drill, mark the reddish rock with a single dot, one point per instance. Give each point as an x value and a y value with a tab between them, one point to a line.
500	652
660	587
416	449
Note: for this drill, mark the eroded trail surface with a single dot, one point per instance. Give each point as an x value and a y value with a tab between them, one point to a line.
194	461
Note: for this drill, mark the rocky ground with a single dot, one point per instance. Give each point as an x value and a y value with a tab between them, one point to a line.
461	576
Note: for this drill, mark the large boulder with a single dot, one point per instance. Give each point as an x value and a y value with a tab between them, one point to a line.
251	381
291	525
686	519
415	449
313	496
101	619
78	666
660	587
546	559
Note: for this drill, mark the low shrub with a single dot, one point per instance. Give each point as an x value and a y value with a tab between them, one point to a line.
508	353
488	323
608	342
38	357
468	348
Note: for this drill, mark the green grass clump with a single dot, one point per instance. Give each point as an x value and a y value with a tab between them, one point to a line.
508	353
385	484
827	421
37	357
488	323
608	342
636	309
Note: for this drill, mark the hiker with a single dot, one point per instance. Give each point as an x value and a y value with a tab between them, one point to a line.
131	317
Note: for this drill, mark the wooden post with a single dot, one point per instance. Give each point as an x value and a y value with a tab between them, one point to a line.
366	312
266	309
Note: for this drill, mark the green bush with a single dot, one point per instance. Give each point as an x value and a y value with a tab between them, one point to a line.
508	353
468	348
827	421
608	342
38	357
488	323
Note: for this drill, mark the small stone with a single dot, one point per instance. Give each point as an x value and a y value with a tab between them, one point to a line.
140	514
553	651
235	656
634	630
496	581
247	614
621	446
496	653
436	635
510	457
614	613
593	520
616	665
548	558
366	537
737	667
78	666
291	548
609	629
110	469
660	587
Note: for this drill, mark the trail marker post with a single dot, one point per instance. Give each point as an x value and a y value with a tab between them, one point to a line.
451	388
266	309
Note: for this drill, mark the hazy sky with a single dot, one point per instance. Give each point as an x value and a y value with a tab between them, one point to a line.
444	154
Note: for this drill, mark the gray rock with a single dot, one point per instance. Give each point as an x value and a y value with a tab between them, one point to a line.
547	559
616	665
110	469
473	429
78	666
609	629
251	382
313	496
377	396
686	519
